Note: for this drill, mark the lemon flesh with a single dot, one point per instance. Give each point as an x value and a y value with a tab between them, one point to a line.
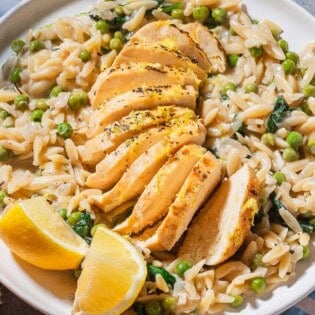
113	275
37	234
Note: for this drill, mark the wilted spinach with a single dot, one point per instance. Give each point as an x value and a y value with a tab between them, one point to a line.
279	113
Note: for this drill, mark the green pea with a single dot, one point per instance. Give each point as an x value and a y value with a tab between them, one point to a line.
85	55
21	101
178	14
169	304
306	252
15	75
251	88
238	301
232	60
292	56
115	43
312	221
309	90
55	91
78	99
17	45
283	44
5	154
36	45
294	139
256	51
64	130
290	155
36	115
119	10
229	86
96	227
3	114
258	284
279	177
182	267
74	218
119	35
41	104
257	260
219	15
200	13
311	145
3	194
153	308
102	26
268	139
288	66
63	213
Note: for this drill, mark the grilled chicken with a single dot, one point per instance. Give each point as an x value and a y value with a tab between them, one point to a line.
96	149
155	200
146	52
198	185
168	35
218	231
140	99
145	167
120	79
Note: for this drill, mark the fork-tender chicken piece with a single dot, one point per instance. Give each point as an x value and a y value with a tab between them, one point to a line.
145	167
145	98
220	228
155	200
197	187
126	77
208	43
145	52
167	34
114	134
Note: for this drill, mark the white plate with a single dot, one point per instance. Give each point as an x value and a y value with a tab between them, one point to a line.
52	292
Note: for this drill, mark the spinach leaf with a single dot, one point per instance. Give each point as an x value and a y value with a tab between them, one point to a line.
153	270
278	115
83	226
306	227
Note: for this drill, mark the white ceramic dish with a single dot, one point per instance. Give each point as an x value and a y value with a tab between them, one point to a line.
52	292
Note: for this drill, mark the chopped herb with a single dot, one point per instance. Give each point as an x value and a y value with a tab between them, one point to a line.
168	8
306	227
278	115
152	271
83	226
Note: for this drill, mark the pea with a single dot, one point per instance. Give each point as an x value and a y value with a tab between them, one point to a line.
36	115
55	91
41	104
74	218
182	267
102	26
288	66
258	284
279	177
268	139
64	130
17	45
178	14
2	196
251	88
219	15
96	227
119	35
200	13
3	114
36	45
115	43
294	139
15	75
63	213
153	308
306	252
290	155
292	56
85	55
229	86
78	99
257	260
311	145
283	44
232	60
309	90
238	301
5	154
256	51
21	101
169	304
119	10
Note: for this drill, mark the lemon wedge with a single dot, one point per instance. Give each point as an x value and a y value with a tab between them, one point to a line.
113	275
37	234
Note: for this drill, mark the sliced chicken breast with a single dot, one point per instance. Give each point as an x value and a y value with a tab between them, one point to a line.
145	167
114	134
220	228
145	98
155	200
167	34
145	52
120	79
198	185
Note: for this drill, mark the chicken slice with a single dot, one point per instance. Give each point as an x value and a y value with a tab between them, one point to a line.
120	79
145	98
114	134
145	52
220	228
167	34
155	200
199	184
145	167
208	43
